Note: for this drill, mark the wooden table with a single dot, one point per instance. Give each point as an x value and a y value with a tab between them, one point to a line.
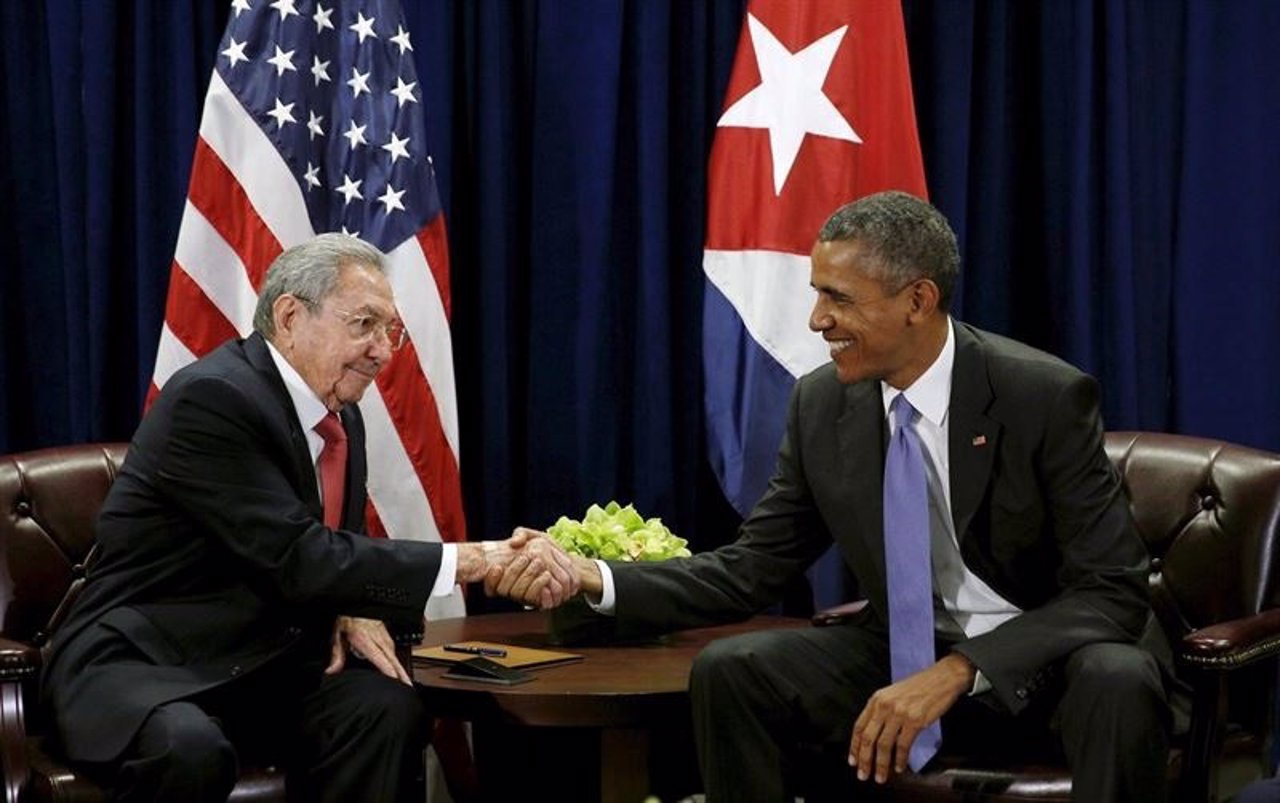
627	699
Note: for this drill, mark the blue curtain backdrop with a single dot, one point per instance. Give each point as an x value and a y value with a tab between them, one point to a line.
1110	167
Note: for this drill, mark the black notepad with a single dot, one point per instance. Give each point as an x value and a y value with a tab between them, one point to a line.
484	670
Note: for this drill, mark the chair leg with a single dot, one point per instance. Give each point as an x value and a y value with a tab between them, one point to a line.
1199	779
13	741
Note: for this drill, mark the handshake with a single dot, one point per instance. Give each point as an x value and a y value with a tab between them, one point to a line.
528	567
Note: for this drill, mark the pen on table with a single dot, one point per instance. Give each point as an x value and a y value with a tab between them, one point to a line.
470	650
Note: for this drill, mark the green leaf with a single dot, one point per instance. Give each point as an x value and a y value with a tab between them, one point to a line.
615	532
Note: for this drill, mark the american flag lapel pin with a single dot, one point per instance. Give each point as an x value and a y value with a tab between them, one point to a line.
979	440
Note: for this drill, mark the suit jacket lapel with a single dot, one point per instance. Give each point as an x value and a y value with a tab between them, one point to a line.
973	435
861	434
354	498
255	349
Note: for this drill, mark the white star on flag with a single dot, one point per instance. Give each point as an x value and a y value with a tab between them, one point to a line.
321	18
350	190
282	61
397	147
313	125
320	69
363	27
311	175
789	100
402	39
355	135
359	82
240	5
404	92
391	199
283	112
235	52
285	7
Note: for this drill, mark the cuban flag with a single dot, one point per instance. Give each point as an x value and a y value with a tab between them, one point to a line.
818	112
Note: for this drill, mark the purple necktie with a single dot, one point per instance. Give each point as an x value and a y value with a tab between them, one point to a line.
908	569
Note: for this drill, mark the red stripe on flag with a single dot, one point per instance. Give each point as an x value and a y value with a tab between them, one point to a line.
372	521
412	407
192	317
435	246
220	198
194	320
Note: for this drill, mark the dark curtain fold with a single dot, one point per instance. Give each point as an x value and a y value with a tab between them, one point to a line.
100	108
1110	168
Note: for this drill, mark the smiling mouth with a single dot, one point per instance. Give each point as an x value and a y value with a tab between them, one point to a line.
837	346
370	374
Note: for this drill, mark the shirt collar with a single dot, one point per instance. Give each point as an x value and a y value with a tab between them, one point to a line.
305	401
931	392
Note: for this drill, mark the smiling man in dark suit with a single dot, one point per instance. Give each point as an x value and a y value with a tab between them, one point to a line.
234	605
963	478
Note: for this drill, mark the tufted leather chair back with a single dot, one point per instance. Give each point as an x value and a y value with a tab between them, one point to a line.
49	502
1210	514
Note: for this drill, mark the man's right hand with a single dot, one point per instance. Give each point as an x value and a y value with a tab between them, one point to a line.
528	567
895	715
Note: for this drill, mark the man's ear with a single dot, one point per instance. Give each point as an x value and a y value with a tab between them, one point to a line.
285	313
925	297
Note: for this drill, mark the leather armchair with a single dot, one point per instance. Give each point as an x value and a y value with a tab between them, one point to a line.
49	503
1210	514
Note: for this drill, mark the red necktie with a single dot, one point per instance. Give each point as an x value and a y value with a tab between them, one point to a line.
333	467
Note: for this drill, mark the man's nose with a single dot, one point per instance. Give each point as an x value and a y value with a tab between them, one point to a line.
819	318
380	347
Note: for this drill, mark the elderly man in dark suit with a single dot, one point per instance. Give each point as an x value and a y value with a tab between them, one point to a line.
235	605
963	478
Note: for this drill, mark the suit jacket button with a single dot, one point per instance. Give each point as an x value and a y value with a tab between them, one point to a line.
236	670
1021	694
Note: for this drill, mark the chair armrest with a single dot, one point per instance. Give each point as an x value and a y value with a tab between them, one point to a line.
18	661
1232	644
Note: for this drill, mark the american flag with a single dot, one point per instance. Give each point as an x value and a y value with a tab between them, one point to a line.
313	123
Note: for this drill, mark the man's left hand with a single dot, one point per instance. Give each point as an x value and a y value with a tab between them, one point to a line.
367	639
895	715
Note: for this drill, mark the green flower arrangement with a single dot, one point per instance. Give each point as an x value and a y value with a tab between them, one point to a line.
614	532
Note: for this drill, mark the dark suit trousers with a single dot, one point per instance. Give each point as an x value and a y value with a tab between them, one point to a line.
354	736
774	711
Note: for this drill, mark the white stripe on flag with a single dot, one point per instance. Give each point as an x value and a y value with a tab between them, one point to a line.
419	304
450	607
393	484
216	268
770	290
232	134
171	355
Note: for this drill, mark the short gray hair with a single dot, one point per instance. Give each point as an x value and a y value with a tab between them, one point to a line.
309	272
910	239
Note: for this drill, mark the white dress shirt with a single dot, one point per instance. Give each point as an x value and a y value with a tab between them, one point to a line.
971	606
310	410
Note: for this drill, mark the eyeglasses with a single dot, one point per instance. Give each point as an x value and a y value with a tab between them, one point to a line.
364	326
